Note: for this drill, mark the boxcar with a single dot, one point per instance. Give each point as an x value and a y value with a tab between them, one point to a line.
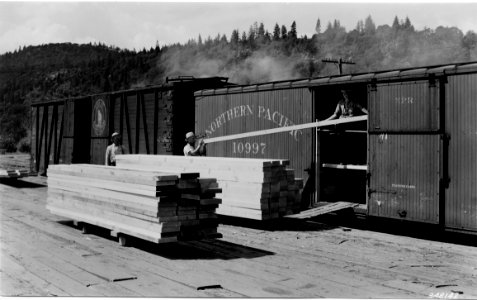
152	120
414	159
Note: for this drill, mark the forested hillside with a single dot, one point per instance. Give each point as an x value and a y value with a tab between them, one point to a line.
57	71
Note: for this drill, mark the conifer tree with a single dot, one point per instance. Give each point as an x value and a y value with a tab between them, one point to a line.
293	34
276	32
283	33
318	26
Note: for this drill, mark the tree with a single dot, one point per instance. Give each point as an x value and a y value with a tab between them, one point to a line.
261	31
318	26
407	25
396	25
360	26
244	37
284	33
234	38
293	34
369	26
276	32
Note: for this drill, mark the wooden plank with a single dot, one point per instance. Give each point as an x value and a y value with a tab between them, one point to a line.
324	209
149	235
346	167
110	196
152	214
106	215
114	173
285	129
143	190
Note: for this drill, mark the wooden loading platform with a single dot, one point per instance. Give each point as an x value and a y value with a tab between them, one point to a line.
42	255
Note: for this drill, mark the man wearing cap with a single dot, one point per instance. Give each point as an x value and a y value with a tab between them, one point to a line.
347	108
114	149
190	149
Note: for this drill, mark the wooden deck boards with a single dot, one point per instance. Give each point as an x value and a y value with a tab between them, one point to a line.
307	260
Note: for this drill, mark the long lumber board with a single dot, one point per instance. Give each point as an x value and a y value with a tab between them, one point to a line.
217	168
321	210
153	236
285	129
107	215
109	173
110	196
153	215
143	190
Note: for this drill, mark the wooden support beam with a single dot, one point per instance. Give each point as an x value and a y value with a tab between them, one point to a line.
50	138
144	122
60	140
156	112
128	126
285	129
37	137
138	120
45	117
121	115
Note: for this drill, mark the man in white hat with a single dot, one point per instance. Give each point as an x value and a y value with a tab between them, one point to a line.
114	149
190	149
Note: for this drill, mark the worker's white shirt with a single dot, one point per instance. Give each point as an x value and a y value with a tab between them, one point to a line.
187	149
111	152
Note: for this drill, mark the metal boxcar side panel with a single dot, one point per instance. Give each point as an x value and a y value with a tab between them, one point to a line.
404	177
220	115
461	125
409	106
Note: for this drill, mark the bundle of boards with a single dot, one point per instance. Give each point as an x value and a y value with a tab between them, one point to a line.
154	206
257	189
13	173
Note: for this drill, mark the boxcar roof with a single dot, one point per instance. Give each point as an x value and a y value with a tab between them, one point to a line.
170	83
407	73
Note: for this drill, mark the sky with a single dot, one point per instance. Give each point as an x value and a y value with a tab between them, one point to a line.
138	25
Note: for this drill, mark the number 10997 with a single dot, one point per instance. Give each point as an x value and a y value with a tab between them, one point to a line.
248	148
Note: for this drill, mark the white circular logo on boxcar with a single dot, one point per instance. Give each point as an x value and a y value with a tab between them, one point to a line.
99	117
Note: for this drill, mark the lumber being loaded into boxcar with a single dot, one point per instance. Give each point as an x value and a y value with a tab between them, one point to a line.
285	129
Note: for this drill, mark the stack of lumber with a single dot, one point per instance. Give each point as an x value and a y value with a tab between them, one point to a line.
257	189
13	173
154	206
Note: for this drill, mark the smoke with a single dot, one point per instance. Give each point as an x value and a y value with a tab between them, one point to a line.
259	66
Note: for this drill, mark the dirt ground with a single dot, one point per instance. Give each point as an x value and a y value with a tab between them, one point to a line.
45	255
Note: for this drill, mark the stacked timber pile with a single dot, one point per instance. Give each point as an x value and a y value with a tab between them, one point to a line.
251	188
155	206
13	173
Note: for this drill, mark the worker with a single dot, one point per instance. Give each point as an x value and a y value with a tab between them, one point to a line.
114	149
347	108
190	149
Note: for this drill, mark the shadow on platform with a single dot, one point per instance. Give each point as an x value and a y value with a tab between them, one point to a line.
202	249
20	184
280	224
